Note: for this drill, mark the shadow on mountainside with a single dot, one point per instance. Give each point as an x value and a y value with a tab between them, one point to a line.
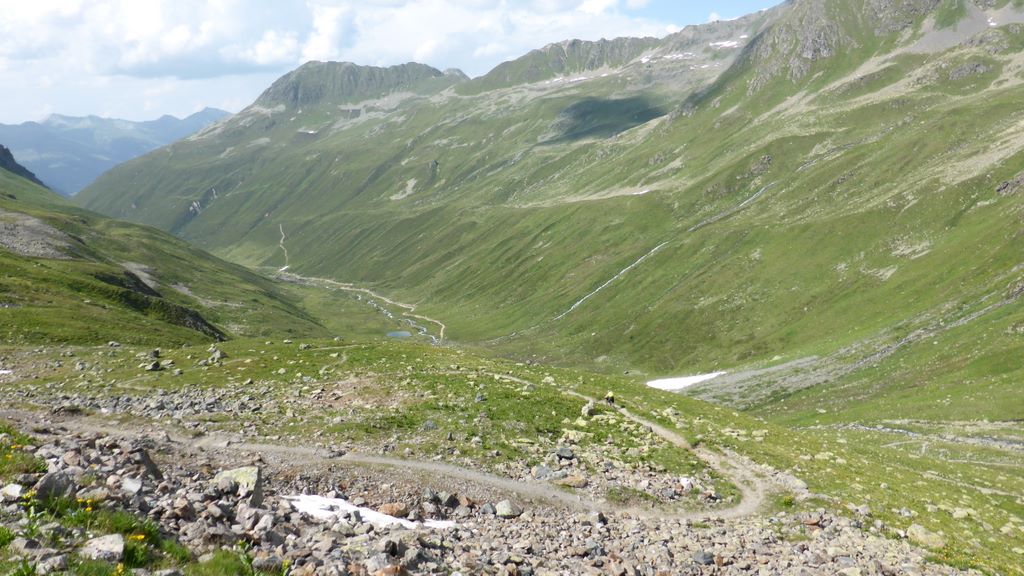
602	118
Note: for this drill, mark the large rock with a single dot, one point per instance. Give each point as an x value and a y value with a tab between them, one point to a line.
574	481
11	493
24	546
565	453
108	548
507	509
54	485
397	509
131	486
923	537
249	481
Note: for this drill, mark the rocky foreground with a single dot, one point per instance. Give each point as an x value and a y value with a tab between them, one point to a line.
237	499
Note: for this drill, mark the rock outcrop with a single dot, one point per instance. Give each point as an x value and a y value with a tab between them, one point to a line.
7	162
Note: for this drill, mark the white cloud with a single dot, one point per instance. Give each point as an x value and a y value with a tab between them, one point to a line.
328	33
103	54
273	48
597	6
714	17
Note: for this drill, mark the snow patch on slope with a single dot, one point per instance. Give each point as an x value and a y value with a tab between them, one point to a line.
683	382
327	509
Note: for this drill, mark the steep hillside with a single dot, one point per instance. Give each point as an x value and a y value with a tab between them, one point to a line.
800	188
71	276
69	152
10	164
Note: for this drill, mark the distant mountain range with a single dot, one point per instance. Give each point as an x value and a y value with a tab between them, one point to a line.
68	153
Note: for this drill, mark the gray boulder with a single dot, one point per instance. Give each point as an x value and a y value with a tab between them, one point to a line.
923	537
508	509
54	485
109	548
249	481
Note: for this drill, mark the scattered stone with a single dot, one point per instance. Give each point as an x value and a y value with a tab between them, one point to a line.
249	482
24	546
268	563
396	509
920	535
704	558
53	564
54	485
1012	186
11	492
209	512
131	486
507	509
108	548
574	481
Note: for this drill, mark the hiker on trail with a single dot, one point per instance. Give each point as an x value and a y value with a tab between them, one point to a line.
610	398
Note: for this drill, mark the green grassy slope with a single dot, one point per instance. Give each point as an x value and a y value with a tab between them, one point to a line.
98	291
832	190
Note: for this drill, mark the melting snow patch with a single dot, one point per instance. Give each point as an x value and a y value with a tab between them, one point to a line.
325	509
725	44
992	22
5	372
676	384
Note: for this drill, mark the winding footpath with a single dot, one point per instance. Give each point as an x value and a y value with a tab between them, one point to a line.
752	485
408	309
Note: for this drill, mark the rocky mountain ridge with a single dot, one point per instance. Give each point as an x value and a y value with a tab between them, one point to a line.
331	83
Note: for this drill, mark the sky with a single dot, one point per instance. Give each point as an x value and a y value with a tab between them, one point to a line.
140	59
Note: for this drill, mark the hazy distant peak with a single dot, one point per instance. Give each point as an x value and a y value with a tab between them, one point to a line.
69	152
